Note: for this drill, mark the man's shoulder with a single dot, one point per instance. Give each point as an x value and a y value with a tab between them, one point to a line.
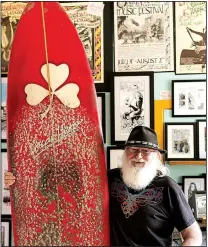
166	181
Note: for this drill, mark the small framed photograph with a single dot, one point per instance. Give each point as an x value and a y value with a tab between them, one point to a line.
6	231
114	157
189	98
5	193
201	128
200	204
3	108
180	141
191	184
101	109
132	103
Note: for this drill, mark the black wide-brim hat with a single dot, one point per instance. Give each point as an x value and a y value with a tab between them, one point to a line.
144	137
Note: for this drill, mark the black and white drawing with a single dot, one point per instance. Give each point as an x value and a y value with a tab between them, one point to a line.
189	98
190	37
5	200
201	139
11	13
190	185
180	141
200	204
131	103
149	25
114	157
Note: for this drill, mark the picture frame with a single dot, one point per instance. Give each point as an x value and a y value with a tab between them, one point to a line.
9	21
3	109
6	231
114	157
5	193
132	103
102	113
189	98
191	184
189	27
201	139
180	141
136	31
200	198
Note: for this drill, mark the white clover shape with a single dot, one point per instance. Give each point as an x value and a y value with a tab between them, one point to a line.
67	94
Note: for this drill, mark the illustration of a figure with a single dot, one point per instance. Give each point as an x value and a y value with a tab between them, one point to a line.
191	189
191	101
156	29
135	105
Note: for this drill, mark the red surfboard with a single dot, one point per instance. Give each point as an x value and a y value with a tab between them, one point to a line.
55	145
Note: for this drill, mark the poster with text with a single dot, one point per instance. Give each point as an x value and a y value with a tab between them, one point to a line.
143	36
190	37
90	30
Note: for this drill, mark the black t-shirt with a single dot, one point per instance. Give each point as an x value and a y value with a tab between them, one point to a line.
146	217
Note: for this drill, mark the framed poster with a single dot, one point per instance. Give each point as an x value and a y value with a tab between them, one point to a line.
114	157
5	193
6	231
3	108
101	109
132	103
180	141
201	139
191	184
10	15
190	37
189	98
143	36
200	204
90	31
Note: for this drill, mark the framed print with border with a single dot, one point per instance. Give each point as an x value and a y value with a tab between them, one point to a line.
200	204
10	16
201	128
180	141
189	98
101	109
132	103
143	36
5	193
114	157
190	37
3	108
6	231
191	184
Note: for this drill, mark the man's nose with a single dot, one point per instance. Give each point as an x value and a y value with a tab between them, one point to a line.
139	155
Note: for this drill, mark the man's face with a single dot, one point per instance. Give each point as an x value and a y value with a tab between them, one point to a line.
139	166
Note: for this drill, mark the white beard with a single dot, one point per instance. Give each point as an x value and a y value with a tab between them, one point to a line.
136	177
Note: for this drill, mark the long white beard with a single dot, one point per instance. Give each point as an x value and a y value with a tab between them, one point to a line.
136	177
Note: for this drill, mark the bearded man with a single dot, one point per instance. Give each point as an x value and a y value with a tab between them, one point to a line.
145	204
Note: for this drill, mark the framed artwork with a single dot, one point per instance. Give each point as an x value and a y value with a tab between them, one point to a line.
200	204
143	39
5	193
3	108
114	157
190	37
201	128
191	184
101	109
90	31
132	103
189	98
6	231
10	15
180	141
